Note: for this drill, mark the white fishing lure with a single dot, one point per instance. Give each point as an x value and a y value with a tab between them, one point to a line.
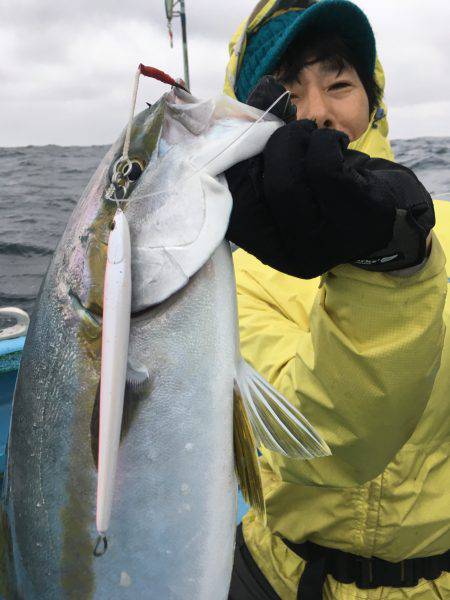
115	339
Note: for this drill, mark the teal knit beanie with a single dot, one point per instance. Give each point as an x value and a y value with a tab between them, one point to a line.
267	45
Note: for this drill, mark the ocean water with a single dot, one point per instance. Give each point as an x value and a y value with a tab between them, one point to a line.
41	185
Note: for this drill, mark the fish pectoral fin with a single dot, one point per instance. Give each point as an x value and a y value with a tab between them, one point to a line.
277	425
137	379
137	387
245	457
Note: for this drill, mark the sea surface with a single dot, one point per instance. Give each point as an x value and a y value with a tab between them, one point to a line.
41	185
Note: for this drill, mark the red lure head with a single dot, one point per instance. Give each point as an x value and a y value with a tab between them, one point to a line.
160	76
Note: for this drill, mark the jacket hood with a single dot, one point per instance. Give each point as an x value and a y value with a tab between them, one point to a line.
374	140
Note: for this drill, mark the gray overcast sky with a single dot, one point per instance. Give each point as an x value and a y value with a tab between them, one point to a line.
67	67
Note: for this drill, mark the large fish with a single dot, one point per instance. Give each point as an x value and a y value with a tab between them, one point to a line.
173	516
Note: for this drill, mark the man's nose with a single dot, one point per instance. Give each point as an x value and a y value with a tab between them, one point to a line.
319	111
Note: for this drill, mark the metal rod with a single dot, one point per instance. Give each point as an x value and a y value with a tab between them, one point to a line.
185	49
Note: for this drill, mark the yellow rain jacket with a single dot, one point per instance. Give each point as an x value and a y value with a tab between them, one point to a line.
366	358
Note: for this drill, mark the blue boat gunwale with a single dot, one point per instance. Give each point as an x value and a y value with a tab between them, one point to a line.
11	346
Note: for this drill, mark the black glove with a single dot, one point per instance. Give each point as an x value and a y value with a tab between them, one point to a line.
381	183
309	204
326	211
264	94
414	217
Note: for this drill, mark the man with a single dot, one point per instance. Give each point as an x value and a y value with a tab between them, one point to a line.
363	351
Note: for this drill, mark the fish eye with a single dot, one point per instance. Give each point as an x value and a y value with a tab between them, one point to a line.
135	171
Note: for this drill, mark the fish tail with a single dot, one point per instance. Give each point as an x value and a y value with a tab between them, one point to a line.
245	457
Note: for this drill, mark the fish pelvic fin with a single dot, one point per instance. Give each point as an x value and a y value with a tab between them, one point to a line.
276	423
245	457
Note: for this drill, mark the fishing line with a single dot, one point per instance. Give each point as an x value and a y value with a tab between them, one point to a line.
211	160
123	166
241	135
154	74
126	145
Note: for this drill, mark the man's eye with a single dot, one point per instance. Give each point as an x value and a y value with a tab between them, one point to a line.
339	85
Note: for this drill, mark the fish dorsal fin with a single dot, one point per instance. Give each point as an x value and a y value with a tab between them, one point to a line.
277	425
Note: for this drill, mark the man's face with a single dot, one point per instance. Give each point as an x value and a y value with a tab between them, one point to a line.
333	99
